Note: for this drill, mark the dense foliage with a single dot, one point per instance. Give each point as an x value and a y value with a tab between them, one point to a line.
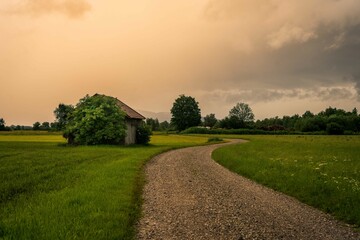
143	133
243	112
185	112
62	115
153	124
210	120
96	120
330	121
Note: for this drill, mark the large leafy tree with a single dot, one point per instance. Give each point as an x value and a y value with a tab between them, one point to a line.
243	112
96	120
62	114
185	112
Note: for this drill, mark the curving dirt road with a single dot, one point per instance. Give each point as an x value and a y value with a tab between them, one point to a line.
189	196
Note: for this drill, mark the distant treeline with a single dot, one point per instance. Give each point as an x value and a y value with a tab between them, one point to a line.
330	121
45	126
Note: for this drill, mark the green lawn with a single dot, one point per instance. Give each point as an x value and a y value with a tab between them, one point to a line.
322	171
52	191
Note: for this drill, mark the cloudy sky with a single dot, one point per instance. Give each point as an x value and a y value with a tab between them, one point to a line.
280	56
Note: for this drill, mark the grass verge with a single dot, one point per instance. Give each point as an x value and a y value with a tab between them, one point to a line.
52	191
322	171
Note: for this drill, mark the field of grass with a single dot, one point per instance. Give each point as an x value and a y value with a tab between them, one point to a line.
52	191
322	171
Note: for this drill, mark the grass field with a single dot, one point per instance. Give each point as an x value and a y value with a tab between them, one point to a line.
322	171
52	191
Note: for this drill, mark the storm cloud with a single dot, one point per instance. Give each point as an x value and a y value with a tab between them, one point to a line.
291	44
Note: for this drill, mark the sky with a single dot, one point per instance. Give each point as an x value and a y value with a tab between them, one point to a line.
282	57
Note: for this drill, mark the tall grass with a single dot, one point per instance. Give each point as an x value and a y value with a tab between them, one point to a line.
52	191
323	171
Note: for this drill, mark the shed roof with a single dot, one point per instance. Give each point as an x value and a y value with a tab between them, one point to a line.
130	113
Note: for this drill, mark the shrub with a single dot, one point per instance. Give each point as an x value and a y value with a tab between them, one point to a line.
96	120
215	139
143	133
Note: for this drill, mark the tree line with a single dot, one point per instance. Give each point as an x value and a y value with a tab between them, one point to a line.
187	114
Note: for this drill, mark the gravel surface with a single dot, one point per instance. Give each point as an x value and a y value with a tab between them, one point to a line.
190	196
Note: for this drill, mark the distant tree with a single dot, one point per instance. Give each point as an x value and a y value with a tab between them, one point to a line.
210	120
2	124
354	111
308	114
54	126
96	120
243	113
45	126
185	112
332	111
164	126
62	115
153	124
36	126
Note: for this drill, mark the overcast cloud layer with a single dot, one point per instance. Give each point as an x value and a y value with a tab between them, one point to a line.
280	56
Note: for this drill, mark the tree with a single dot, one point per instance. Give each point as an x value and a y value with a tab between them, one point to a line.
62	115
2	124
308	114
243	112
210	120
354	111
185	113
36	126
164	126
45	126
96	120
153	124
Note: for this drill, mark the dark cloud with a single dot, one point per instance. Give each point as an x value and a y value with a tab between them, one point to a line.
70	8
269	95
310	44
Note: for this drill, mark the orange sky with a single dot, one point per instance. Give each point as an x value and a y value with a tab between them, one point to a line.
281	57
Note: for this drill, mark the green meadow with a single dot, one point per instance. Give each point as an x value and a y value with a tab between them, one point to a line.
322	171
49	190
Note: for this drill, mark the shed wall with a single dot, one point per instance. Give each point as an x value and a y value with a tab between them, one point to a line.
131	125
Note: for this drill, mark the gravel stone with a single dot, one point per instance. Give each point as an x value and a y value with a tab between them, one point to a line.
190	196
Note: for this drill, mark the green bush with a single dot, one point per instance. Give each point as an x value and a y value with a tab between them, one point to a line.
96	120
215	139
143	133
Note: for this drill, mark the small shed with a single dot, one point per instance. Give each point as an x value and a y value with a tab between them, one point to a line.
133	120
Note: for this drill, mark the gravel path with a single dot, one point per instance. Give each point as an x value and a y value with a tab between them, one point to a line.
190	196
